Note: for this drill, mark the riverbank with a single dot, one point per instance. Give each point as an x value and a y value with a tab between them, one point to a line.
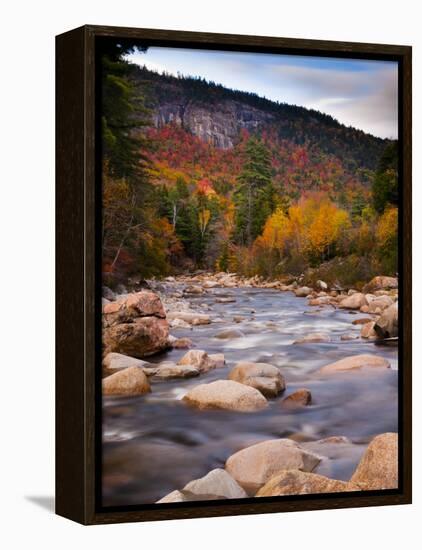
167	436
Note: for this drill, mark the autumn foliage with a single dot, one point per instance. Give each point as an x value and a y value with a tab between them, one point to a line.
270	205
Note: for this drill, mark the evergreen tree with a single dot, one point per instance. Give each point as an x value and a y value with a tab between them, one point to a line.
255	196
385	184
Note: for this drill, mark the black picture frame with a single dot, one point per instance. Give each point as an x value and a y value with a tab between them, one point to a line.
78	276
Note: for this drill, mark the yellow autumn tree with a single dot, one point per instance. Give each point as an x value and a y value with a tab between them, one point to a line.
325	229
386	240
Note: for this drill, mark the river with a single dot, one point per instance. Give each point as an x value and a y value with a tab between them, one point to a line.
155	443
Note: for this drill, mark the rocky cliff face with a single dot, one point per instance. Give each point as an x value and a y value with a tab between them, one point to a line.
218	125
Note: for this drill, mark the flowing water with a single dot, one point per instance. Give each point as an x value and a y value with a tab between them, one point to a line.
155	443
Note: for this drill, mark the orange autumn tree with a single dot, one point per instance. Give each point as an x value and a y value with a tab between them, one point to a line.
311	231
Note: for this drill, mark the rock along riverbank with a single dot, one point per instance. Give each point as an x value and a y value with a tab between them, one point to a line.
199	368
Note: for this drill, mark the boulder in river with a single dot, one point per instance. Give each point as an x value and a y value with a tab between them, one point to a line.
362	321
367	330
194	289
218	482
226	394
225	300
381	282
295	482
130	381
168	370
135	325
303	291
316	337
354	301
115	362
254	466
229	334
387	326
379	304
321	285
298	399
264	377
378	468
355	363
189	317
200	359
217	359
182	343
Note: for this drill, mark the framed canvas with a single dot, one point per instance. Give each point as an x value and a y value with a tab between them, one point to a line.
233	274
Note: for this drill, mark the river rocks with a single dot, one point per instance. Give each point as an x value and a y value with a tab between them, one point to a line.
349	336
182	343
179	323
210	284
387	325
226	394
262	376
316	337
229	334
378	468
227	300
140	338
295	482
362	321
217	359
194	289
320	301
379	304
135	325
168	370
256	465
381	283
321	285
174	496
189	317
199	359
238	318
115	362
130	381
302	292
354	301
218	482
355	363
367	331
298	399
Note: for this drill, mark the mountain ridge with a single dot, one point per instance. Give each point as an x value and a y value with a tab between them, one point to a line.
217	115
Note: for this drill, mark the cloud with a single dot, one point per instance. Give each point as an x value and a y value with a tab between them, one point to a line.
359	93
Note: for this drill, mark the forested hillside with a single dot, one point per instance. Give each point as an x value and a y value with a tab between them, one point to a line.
199	176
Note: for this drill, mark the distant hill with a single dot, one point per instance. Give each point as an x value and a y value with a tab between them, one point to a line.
217	115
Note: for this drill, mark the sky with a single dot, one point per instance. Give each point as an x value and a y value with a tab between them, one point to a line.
358	93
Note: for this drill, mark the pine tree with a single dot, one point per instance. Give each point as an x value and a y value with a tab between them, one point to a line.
255	195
